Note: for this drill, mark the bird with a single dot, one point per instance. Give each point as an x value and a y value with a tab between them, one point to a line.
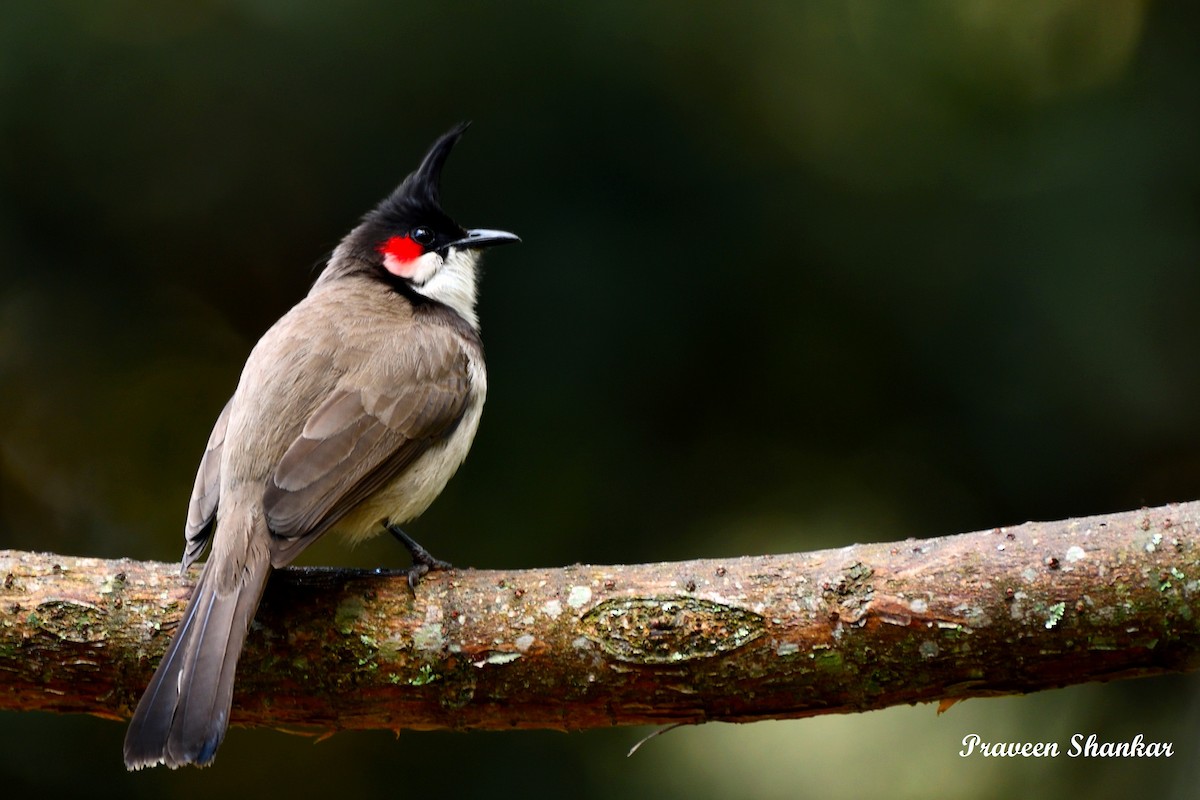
351	414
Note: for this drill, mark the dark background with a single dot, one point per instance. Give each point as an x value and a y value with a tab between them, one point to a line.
794	275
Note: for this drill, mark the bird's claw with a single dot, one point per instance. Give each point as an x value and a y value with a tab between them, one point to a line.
423	561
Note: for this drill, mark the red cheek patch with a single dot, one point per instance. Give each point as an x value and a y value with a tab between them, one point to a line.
400	254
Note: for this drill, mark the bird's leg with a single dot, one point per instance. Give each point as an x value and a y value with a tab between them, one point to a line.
423	562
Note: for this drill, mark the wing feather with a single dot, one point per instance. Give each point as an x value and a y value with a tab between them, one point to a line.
206	492
356	442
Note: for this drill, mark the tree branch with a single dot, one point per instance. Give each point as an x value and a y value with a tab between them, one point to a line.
1005	611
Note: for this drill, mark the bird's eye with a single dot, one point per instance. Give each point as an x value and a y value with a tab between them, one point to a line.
422	236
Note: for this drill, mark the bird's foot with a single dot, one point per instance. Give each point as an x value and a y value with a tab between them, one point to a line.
423	561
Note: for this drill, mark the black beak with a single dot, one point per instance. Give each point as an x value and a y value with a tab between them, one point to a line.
482	237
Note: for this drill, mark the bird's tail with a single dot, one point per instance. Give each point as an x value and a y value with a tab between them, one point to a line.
182	717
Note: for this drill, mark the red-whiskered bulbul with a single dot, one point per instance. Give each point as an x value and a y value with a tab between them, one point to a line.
351	414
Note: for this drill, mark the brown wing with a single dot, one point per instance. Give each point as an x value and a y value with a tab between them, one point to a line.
356	442
206	492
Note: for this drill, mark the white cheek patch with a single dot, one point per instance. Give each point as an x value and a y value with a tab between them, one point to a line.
453	284
401	268
418	270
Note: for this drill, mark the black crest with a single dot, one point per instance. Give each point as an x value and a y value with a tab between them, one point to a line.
418	196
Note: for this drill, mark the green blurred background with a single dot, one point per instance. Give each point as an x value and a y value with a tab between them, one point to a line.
794	275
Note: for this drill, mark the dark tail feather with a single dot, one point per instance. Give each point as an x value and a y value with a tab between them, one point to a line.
184	712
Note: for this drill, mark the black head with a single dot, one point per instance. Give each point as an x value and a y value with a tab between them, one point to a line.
414	209
409	243
410	223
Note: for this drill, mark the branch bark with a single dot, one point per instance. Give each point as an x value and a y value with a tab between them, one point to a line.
1005	611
